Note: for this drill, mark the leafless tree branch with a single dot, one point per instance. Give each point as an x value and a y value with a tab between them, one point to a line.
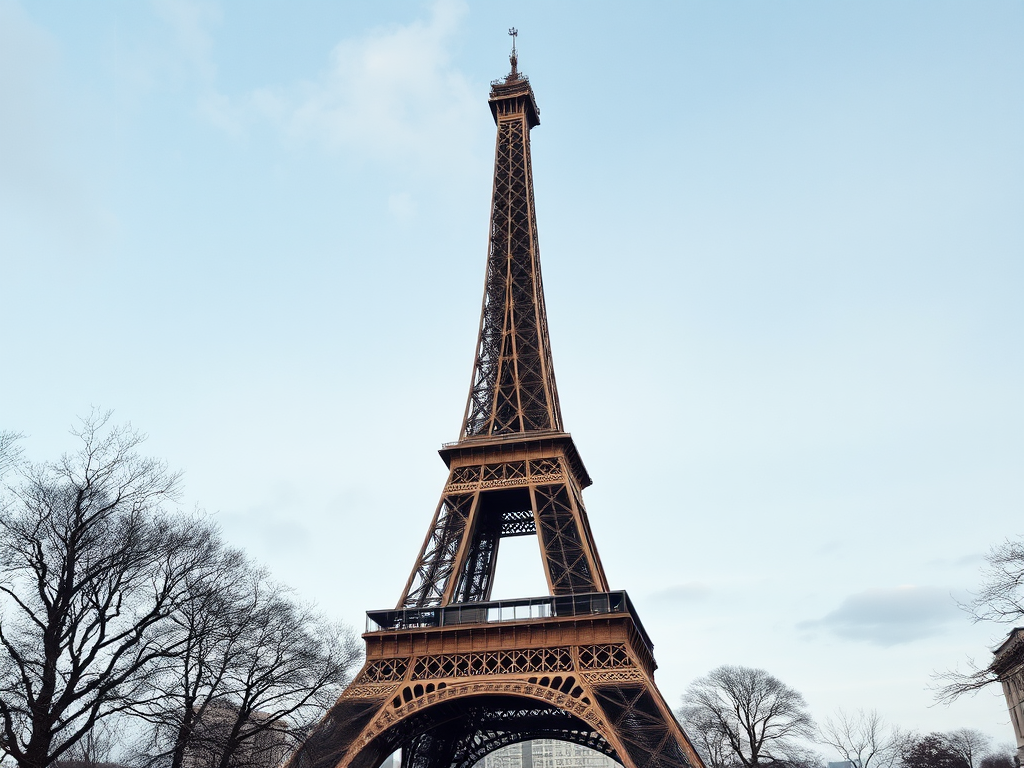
747	717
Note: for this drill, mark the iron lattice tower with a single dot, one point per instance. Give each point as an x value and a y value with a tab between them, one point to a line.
450	675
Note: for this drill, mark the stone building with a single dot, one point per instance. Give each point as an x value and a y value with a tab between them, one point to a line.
1008	666
547	753
267	749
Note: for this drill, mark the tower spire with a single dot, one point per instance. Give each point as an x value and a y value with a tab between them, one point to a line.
513	388
513	58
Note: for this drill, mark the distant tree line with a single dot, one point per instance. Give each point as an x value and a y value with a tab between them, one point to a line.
118	609
738	717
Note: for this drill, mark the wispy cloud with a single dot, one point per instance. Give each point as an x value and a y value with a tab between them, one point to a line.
190	22
967	561
42	186
889	616
393	94
402	206
272	527
683	593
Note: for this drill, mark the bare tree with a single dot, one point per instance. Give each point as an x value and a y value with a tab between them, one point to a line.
94	750
932	751
91	566
1001	757
257	670
755	718
1001	600
863	739
10	451
205	629
293	668
971	745
703	729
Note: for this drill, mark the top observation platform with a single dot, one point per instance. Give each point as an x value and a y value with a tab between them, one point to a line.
530	609
516	92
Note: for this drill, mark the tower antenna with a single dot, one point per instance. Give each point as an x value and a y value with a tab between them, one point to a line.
514	57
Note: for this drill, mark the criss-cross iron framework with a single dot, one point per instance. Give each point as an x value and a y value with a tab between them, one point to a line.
451	675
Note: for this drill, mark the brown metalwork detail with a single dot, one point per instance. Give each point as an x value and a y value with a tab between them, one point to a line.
465	476
565	684
490	728
628	675
475	580
494	663
505	475
370	690
604	656
545	468
566	558
498	513
383	670
518	523
415	691
390	715
437	560
513	388
460	729
510	470
647	735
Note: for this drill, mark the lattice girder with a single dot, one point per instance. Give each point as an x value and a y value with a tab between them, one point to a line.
513	387
435	565
480	729
448	708
493	492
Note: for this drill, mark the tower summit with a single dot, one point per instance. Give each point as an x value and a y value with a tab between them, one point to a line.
451	675
513	388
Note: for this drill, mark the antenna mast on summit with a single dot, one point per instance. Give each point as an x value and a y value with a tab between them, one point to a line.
513	57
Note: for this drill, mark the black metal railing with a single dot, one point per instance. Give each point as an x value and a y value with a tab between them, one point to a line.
524	609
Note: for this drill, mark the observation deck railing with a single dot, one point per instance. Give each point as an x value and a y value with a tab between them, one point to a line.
505	437
523	609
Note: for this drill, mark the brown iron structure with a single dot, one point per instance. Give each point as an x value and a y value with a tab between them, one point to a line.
449	674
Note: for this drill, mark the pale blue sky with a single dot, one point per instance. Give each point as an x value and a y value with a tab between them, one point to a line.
783	247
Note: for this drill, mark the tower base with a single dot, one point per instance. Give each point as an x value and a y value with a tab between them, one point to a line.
450	685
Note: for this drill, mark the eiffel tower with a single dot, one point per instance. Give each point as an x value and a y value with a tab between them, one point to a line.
450	675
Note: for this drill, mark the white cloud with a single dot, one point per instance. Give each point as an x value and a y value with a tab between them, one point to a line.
683	593
28	59
42	187
393	94
190	21
889	616
272	527
402	206
221	112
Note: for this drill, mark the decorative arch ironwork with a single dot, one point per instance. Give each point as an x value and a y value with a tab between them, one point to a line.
460	733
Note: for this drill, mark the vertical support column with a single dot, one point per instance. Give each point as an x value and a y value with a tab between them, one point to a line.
566	563
513	386
435	567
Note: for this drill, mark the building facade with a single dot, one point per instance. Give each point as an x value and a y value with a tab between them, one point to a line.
547	753
265	749
1008	666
